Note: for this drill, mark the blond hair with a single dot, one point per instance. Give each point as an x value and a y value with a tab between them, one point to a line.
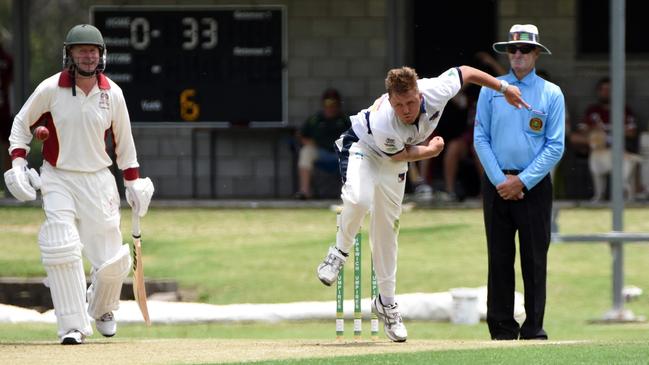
401	80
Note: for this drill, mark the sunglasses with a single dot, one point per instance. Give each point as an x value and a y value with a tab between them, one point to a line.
524	49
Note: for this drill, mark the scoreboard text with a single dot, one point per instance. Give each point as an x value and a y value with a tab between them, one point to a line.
197	64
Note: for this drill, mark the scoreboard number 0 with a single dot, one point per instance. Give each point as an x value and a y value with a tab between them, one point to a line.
140	33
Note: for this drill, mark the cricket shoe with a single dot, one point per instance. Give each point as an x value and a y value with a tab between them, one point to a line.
328	270
392	321
106	324
74	337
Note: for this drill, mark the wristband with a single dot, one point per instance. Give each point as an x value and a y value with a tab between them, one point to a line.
503	86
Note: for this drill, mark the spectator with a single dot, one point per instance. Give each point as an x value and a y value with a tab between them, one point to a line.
451	127
317	137
418	176
459	136
597	115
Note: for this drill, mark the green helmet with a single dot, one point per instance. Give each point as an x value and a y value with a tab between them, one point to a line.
84	34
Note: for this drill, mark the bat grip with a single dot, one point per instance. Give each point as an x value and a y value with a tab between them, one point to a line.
135	219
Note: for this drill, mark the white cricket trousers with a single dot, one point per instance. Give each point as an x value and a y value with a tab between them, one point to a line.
90	202
376	184
81	216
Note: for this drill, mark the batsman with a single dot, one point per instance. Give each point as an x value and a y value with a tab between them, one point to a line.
80	107
374	155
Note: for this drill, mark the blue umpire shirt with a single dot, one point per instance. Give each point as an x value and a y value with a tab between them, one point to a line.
530	141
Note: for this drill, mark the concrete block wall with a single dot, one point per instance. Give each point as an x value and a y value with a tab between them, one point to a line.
335	43
219	163
330	43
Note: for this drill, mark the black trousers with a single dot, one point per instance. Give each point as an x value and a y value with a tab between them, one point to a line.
530	217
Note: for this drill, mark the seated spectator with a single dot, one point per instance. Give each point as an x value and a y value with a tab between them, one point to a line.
317	138
597	116
453	128
418	177
456	127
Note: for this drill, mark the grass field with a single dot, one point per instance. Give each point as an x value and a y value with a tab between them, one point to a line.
269	256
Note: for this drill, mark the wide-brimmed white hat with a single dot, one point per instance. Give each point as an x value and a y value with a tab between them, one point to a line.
521	34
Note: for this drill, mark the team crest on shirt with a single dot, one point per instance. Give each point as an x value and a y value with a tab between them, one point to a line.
389	144
103	100
536	124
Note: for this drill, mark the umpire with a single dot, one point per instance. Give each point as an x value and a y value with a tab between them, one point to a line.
518	148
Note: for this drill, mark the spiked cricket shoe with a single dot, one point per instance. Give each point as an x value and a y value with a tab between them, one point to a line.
74	337
106	325
392	321
328	270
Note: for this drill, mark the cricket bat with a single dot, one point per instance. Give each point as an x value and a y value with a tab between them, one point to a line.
139	289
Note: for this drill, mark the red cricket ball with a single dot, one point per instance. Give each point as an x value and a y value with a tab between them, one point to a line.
42	133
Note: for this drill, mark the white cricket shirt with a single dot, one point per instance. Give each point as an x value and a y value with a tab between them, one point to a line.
380	129
78	125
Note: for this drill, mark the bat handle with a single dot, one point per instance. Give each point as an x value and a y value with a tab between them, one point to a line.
135	219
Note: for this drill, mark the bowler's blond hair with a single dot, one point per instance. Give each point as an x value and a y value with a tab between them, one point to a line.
401	80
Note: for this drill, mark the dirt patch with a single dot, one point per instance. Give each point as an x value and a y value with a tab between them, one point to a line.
184	351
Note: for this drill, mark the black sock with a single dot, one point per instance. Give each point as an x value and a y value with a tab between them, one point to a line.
342	253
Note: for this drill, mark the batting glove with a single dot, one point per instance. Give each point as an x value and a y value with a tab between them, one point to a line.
21	181
138	194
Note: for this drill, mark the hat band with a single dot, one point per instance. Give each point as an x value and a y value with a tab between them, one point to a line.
523	36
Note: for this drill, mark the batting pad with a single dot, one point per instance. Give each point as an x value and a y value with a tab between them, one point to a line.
103	294
61	256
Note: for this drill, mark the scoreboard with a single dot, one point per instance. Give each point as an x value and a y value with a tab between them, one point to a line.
208	64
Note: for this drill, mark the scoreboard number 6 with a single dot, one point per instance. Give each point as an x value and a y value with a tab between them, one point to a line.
189	109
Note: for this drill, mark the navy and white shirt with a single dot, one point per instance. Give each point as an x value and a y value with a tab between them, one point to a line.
379	128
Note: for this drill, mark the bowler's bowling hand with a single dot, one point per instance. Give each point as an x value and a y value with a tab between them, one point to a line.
437	145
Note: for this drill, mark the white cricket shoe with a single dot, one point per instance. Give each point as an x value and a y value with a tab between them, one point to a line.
328	270
74	337
392	321
106	325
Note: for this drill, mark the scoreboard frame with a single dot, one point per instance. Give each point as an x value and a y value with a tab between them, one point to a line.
186	94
